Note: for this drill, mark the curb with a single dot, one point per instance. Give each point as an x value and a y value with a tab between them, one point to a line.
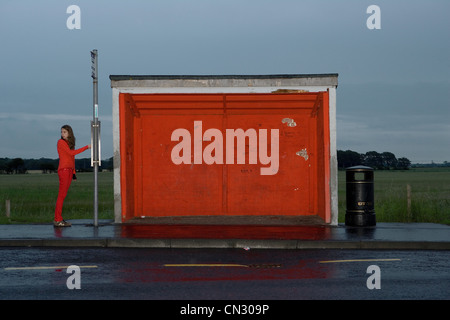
226	244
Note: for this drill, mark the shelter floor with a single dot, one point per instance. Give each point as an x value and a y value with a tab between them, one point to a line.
311	220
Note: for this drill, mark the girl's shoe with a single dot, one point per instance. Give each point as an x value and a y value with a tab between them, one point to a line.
61	223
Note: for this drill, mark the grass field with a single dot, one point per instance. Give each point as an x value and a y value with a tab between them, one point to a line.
33	196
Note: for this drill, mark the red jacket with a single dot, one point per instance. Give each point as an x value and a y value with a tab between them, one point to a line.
67	156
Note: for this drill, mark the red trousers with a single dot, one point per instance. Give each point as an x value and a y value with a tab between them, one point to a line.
65	179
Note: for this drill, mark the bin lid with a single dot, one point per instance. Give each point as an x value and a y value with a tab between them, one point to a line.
360	168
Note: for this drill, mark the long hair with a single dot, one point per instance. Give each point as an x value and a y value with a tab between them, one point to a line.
71	137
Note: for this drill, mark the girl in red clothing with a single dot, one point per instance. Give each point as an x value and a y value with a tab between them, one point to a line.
66	170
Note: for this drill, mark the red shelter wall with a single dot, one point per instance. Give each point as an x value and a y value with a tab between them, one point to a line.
157	131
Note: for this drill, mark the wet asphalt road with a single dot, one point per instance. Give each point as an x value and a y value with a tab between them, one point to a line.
225	274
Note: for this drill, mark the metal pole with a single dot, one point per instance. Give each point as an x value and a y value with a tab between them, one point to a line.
95	124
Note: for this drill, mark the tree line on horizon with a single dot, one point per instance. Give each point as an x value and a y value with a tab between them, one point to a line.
347	158
21	166
373	159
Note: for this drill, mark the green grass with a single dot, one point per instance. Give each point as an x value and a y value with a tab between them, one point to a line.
33	196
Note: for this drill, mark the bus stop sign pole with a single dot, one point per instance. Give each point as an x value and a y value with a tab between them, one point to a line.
95	134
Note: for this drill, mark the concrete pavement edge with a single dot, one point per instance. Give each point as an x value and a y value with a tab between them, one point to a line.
227	244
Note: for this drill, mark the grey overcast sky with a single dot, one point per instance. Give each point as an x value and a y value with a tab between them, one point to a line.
394	84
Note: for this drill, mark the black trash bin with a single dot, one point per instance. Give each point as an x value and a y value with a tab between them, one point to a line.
360	197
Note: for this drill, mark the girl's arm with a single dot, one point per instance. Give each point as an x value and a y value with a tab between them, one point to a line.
64	147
